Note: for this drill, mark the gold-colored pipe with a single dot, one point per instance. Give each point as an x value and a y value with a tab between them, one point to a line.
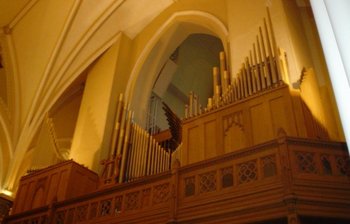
239	90
266	68
210	103
261	66
222	69
252	70
138	153
159	159
244	82
122	130
147	136
164	155
230	94
217	96
119	141
155	170
116	126
132	153
274	46
249	76
154	161
257	69
125	148
164	159
143	152
241	83
271	62
215	79
285	74
149	172
148	158
235	90
128	158
226	81
151	158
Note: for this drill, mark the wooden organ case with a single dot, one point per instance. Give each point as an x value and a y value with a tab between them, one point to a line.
254	154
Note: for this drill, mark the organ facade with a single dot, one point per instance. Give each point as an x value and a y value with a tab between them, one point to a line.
260	143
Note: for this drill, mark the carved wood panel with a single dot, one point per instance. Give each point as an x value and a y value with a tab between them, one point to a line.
207	182
161	193
233	131
247	172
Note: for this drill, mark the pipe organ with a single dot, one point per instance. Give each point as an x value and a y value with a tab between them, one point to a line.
255	151
250	107
134	153
264	68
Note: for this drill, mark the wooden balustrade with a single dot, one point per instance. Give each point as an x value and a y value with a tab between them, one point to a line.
271	181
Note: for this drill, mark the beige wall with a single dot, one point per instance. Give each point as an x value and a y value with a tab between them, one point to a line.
44	153
65	117
90	128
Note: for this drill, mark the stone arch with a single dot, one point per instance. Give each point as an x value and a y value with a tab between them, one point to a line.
162	44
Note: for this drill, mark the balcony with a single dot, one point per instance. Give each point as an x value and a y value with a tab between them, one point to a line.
272	182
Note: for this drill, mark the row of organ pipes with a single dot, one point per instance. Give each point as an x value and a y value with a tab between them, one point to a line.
134	153
264	68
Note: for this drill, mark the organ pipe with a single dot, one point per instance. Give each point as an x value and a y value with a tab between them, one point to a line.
134	153
265	67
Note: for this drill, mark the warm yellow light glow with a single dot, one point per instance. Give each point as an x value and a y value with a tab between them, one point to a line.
6	192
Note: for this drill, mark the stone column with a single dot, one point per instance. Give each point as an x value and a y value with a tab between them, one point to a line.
332	19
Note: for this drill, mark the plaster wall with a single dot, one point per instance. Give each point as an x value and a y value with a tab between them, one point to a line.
43	154
91	123
65	117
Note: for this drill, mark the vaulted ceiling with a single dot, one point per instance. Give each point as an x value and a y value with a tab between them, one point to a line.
46	46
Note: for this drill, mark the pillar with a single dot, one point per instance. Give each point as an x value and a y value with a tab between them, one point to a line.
332	19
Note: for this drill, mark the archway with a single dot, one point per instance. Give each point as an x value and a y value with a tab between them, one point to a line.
158	50
189	69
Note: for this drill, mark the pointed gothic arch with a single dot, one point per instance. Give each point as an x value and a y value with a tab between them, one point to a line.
162	44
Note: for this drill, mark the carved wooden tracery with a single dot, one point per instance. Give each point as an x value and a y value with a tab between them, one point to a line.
207	182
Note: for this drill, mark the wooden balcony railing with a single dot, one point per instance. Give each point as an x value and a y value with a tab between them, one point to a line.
271	181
